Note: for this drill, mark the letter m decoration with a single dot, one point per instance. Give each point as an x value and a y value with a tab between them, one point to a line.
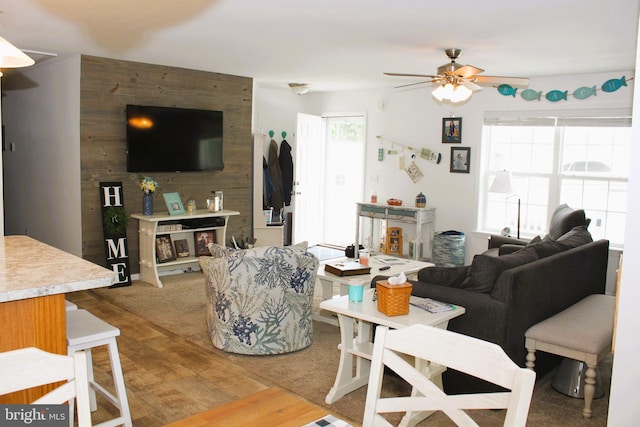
114	229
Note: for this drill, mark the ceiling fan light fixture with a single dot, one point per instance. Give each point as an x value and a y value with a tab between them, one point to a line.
452	93
300	88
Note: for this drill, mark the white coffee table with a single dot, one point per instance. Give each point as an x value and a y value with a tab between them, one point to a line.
397	265
356	320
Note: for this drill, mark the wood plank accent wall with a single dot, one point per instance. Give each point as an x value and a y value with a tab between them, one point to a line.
107	86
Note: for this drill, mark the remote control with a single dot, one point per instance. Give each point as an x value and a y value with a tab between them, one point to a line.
384	268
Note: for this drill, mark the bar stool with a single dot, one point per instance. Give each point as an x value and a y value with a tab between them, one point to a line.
84	332
69	306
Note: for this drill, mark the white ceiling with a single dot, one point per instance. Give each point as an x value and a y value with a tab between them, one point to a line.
335	44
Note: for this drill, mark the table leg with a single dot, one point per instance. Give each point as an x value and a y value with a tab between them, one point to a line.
346	381
327	293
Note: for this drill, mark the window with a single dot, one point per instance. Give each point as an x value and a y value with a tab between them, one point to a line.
554	159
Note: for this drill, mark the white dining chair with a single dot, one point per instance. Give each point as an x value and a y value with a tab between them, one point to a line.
436	348
31	367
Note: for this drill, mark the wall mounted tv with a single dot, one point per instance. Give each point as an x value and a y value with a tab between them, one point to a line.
166	139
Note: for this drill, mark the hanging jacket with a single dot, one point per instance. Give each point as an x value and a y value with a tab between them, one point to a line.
286	167
276	201
267	185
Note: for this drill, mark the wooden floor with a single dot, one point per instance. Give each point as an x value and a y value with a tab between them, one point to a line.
169	379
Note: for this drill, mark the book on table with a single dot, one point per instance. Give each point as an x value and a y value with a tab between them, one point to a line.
430	305
349	268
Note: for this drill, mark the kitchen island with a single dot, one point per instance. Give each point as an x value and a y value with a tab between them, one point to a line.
34	278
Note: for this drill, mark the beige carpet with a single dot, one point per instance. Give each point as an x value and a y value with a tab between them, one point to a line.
180	308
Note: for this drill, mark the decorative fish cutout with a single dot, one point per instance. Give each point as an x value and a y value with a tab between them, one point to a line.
507	90
531	95
614	84
584	92
556	95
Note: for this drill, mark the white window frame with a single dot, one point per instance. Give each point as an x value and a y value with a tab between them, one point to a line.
555	176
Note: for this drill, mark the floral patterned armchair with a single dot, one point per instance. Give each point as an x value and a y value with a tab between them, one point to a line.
259	300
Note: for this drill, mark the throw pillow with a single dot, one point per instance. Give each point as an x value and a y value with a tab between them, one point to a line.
547	248
444	276
535	240
484	270
564	219
578	236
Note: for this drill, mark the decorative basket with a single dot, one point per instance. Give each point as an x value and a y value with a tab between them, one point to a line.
393	300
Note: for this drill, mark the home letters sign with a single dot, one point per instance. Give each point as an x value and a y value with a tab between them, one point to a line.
114	228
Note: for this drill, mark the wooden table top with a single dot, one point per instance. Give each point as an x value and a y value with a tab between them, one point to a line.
273	407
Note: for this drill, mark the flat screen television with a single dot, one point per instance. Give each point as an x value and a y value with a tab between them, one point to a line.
167	139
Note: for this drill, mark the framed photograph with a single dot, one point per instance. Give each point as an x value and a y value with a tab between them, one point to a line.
202	240
164	248
460	159
182	248
174	204
452	130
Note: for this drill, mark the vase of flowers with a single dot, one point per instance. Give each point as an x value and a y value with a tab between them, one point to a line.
148	186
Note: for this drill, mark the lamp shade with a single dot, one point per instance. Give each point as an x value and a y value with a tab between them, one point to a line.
12	57
502	183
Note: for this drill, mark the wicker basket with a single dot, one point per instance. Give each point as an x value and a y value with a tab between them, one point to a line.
393	300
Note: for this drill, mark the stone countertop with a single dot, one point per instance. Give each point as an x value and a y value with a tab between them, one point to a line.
29	268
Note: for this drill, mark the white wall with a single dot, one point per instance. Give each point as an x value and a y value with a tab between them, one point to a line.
42	173
411	117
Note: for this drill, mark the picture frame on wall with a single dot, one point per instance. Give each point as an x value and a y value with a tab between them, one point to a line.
460	159
164	248
201	240
452	130
174	204
182	248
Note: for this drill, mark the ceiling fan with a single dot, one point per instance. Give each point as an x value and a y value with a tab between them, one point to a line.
462	75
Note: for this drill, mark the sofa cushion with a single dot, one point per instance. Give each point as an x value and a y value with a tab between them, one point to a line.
578	236
484	270
564	218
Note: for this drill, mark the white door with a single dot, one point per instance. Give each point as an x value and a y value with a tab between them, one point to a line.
329	178
309	180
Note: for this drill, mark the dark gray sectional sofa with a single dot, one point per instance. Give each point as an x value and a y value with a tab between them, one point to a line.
505	295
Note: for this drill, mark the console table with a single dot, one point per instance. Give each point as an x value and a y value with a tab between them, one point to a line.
201	220
403	214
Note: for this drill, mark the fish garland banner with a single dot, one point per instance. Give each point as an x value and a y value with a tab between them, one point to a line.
583	92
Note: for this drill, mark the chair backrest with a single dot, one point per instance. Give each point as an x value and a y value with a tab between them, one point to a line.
31	367
475	357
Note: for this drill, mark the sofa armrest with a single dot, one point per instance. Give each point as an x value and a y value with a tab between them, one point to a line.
484	317
444	276
495	241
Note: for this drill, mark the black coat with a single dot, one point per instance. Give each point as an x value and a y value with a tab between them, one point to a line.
286	167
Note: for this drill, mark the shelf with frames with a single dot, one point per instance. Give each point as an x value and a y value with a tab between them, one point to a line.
200	220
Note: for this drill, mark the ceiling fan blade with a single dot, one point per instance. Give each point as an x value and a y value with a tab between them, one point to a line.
513	81
411	75
470	85
467	71
414	84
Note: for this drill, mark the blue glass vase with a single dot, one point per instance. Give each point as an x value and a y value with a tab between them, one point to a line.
147	204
